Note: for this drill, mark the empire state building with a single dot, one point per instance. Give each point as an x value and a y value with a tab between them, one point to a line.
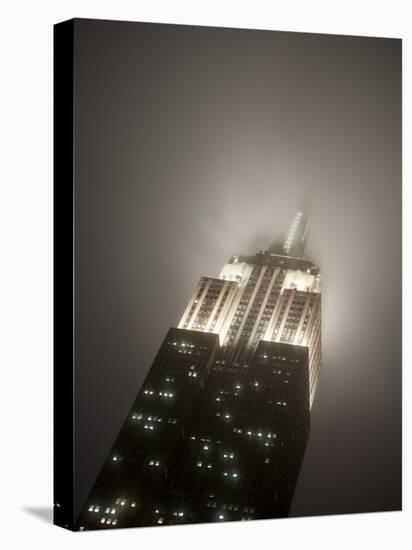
219	428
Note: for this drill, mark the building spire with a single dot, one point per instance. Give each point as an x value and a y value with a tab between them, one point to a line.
296	238
295	241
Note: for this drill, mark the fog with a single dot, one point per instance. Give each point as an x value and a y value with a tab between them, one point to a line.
194	144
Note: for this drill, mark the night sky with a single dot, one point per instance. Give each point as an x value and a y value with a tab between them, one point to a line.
193	144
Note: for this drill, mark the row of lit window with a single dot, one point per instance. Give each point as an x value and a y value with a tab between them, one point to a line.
234	507
201	464
275	357
233	474
123	502
108	521
162	394
183	345
258	434
226	415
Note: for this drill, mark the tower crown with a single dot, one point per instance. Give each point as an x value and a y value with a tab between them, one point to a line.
295	241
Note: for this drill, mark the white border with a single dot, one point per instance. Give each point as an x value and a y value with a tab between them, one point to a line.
26	268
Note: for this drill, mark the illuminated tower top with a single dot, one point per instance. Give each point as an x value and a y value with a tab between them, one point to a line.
295	241
273	296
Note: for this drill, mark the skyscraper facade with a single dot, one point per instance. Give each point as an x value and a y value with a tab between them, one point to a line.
219	428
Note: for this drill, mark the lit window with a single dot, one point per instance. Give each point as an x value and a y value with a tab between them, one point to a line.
103	520
114	522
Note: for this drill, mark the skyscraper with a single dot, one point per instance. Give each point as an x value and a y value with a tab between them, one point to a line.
219	428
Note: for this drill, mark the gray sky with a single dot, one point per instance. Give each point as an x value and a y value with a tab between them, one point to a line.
193	144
